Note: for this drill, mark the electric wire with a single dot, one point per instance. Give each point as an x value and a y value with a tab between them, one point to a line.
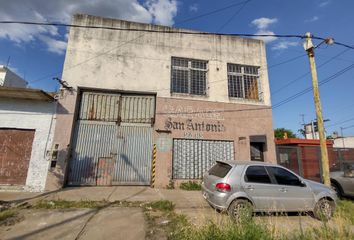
307	73
233	16
304	91
340	122
171	31
212	12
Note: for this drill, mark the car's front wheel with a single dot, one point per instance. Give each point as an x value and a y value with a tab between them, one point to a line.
324	209
240	210
337	189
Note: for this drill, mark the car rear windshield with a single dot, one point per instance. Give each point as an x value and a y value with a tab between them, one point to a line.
220	169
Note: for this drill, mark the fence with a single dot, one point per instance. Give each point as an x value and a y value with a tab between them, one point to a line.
305	160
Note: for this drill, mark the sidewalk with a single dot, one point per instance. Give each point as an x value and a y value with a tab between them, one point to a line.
189	203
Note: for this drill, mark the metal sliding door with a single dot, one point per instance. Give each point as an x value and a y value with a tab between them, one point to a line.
191	158
112	142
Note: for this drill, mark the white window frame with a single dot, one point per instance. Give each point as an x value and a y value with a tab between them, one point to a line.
242	74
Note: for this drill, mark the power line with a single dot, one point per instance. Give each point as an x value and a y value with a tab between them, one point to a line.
89	59
220	80
212	12
233	16
348	127
305	74
287	61
340	122
330	78
171	31
106	52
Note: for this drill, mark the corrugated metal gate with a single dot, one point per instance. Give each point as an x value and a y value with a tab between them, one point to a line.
15	155
112	142
191	158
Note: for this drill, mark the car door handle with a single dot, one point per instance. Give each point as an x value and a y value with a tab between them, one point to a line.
283	189
249	187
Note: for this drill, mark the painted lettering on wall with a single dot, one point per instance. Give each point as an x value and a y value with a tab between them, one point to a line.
189	112
194	125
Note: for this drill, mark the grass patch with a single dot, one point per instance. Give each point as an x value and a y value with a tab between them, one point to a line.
7	214
191	186
163	205
61	204
345	209
247	230
159	217
180	229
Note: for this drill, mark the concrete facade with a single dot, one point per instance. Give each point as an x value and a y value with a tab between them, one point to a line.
140	61
11	79
34	115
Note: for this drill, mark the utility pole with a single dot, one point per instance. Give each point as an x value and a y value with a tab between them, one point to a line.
341	133
316	95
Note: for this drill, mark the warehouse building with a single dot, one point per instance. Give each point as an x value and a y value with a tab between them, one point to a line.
147	103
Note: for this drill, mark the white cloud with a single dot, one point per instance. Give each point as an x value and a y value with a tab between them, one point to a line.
263	23
53	45
282	45
266	39
163	11
157	11
313	19
324	3
194	7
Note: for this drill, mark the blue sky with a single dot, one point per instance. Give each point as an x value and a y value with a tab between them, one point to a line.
37	53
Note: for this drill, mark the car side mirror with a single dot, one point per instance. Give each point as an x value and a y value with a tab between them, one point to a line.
302	183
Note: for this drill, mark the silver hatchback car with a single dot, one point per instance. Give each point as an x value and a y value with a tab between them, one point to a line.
249	186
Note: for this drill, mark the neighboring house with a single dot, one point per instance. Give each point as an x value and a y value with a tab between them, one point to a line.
10	79
197	97
303	156
343	142
26	131
311	131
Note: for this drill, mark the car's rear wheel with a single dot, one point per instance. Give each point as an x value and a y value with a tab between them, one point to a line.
324	209
240	210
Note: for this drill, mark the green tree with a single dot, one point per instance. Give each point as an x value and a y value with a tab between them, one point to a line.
280	132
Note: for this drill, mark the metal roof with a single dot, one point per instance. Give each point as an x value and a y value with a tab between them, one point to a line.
25	93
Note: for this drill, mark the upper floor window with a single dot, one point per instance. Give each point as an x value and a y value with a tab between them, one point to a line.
189	76
243	81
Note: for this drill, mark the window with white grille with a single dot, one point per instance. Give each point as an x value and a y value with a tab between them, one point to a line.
243	81
189	76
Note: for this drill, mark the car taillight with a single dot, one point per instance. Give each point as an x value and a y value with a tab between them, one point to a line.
223	187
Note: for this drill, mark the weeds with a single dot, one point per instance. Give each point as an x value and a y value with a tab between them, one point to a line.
345	209
191	186
337	228
171	184
247	230
60	204
7	214
164	205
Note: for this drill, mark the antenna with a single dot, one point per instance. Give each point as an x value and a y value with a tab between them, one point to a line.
64	84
